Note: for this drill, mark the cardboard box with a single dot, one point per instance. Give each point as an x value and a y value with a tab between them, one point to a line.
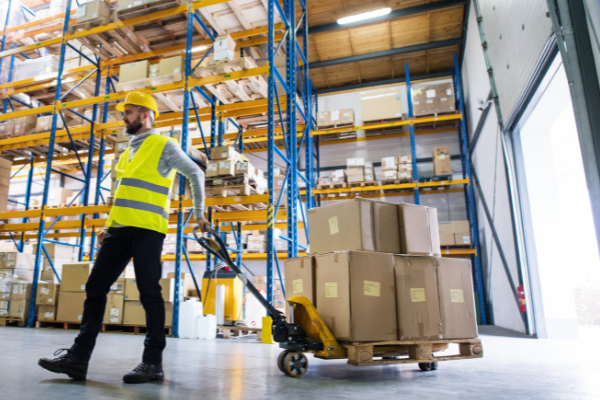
18	309
356	295
355	171
47	271
457	304
356	162
5	288
46	313
134	313
44	123
58	196
389	174
4	307
419	231
56	250
462	238
355	178
461	227
347	117
113	314
7	128
224	48
405	159
245	167
420	108
47	293
171	66
22	275
226	168
70	306
446	233
118	287
224	153
92	10
16	260
212	169
25	125
167	287
380	104
432	106
134	71
131	290
74	277
357	224
417	300
442	164
123	4
300	278
388	163
20	291
323	119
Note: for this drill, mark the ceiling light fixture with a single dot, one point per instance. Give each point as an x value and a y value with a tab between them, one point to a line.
367	15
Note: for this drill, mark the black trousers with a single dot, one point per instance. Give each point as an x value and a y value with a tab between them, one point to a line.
117	249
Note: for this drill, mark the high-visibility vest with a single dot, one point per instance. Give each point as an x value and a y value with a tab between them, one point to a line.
142	198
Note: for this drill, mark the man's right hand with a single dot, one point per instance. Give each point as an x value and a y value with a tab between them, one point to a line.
101	236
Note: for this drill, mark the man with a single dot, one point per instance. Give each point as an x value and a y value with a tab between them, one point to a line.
136	228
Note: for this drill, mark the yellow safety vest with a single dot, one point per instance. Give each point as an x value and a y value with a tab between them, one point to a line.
143	195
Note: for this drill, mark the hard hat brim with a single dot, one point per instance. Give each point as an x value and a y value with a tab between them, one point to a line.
121	107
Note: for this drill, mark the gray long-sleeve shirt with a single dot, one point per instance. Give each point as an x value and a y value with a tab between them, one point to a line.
174	158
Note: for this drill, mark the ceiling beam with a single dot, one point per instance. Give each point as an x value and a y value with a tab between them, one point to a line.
387	53
446	74
392	15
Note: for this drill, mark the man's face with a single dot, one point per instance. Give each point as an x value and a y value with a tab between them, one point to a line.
133	119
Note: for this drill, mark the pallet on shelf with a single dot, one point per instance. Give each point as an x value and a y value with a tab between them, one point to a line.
230	332
66	326
146	8
87	25
364	184
338	136
326	186
11	321
130	329
362	353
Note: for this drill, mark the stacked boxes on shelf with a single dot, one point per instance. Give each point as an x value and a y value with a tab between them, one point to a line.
71	295
379	105
47	299
441	161
59	255
336	118
405	168
16	275
389	169
260	282
5	174
369	172
256	242
454	232
433	99
375	274
355	170
133	312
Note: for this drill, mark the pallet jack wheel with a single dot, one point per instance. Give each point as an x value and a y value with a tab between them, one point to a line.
295	364
280	359
429	366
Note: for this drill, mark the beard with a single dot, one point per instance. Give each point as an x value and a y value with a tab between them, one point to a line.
133	127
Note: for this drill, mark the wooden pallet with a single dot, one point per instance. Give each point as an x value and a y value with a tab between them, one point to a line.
130	329
335	126
233	332
337	136
235	190
362	354
383	121
10	321
438	114
87	25
145	9
67	326
395	181
325	186
364	184
232	180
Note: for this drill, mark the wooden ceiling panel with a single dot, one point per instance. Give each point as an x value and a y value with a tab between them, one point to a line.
353	7
409	31
417	62
324	11
333	45
340	75
447	24
371	38
318	78
442	59
377	69
313	55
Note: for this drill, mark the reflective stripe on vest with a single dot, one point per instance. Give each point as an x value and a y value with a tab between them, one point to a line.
142	199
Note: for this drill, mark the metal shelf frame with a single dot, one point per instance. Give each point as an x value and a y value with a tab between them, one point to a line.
296	83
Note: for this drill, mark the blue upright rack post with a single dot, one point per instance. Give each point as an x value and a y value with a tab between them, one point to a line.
42	225
413	149
184	135
270	147
469	197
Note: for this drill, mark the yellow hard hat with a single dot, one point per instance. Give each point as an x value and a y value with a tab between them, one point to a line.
139	99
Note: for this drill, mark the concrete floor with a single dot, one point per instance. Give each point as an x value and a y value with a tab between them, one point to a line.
512	367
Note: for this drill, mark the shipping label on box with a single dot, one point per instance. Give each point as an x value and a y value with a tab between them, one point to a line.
113	313
47	293
323	118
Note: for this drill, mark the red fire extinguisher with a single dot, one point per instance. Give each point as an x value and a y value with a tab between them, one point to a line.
522	306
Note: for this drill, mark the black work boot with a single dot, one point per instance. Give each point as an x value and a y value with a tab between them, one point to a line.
65	364
145	373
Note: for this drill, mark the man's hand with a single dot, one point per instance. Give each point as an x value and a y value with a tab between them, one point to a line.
203	224
101	236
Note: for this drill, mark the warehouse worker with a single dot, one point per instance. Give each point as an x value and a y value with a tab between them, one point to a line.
136	228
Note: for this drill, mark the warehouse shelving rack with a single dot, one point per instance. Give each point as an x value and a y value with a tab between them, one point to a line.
296	74
415	188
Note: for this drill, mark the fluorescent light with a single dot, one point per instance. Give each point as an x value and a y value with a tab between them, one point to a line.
367	15
199	48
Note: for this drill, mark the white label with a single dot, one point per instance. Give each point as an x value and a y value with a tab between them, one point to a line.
213	167
430	93
114	315
176	71
224	154
457	296
442	156
333	225
467	239
49	300
331	289
79	318
95	15
137	3
83	287
49	315
44	290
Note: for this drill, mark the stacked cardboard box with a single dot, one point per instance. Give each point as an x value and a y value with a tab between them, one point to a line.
344	117
338	176
132	72
16	275
257	243
5	173
260	282
224	48
369	172
389	169
47	299
381	104
44	123
441	161
72	291
433	99
462	232
375	274
355	170
222	162
405	168
446	233
59	255
24	125
133	312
